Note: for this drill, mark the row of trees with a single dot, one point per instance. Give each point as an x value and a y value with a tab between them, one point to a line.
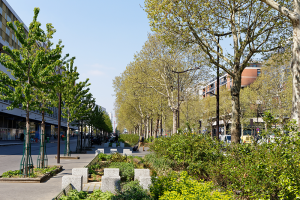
40	73
142	107
252	28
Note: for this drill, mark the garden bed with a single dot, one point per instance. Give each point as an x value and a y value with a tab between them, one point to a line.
39	176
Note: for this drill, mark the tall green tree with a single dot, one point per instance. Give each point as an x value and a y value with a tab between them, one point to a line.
252	27
71	97
29	65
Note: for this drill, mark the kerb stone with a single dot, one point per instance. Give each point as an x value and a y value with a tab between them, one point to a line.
75	181
111	172
141	172
145	182
127	152
81	172
113	150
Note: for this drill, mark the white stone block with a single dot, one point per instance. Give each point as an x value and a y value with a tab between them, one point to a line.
113	150
127	152
145	182
75	181
114	145
141	172
111	184
122	144
111	172
84	172
101	150
106	144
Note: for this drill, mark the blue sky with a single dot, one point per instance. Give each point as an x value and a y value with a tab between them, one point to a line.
103	36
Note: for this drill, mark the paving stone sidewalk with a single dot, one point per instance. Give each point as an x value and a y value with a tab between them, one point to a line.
50	188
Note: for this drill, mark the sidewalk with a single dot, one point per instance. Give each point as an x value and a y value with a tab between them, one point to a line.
50	188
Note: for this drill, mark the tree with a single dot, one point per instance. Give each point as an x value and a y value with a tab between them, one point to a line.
252	26
27	65
291	10
72	96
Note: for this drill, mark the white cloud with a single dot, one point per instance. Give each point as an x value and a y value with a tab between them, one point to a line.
95	72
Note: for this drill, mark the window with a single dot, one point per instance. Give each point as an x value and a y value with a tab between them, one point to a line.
258	72
7	31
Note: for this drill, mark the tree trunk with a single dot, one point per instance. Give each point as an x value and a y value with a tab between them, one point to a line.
235	99
295	72
42	142
68	136
157	127
175	125
27	143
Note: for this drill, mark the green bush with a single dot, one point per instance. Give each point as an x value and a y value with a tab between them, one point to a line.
187	188
97	194
126	170
160	165
117	157
104	157
131	139
11	173
251	171
133	191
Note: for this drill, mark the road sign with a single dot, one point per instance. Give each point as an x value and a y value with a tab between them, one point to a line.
257	129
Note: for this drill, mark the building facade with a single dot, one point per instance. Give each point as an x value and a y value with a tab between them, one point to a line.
12	122
249	75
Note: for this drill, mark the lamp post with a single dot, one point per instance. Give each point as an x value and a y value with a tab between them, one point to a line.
178	90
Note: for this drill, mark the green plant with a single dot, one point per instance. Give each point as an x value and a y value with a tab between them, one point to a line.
11	173
133	191
126	170
187	188
131	139
75	195
104	157
117	157
99	195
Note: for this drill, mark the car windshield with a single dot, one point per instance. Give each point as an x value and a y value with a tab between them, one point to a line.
229	137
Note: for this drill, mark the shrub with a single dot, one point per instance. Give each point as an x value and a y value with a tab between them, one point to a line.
187	188
133	191
75	195
132	139
104	157
126	170
99	195
160	165
11	173
117	157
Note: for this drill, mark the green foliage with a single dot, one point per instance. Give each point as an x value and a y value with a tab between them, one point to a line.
251	171
132	139
159	164
126	170
132	190
104	157
117	157
187	188
97	194
11	173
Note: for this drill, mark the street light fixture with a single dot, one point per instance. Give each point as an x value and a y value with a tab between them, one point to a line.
178	90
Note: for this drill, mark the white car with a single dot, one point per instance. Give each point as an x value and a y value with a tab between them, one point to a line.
225	138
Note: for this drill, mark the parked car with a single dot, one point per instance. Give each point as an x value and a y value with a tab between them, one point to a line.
225	138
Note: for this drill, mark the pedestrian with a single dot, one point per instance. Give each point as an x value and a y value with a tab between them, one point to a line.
141	142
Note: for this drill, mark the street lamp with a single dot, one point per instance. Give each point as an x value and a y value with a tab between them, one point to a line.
178	90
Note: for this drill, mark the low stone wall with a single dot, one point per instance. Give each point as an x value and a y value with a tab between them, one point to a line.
64	192
95	160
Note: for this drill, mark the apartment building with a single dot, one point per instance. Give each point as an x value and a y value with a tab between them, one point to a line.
249	75
12	122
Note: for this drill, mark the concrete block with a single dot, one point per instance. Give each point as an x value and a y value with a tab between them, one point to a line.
84	172
75	181
127	152
114	145
141	172
145	182
98	151
106	144
111	184
113	150
111	172
122	144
